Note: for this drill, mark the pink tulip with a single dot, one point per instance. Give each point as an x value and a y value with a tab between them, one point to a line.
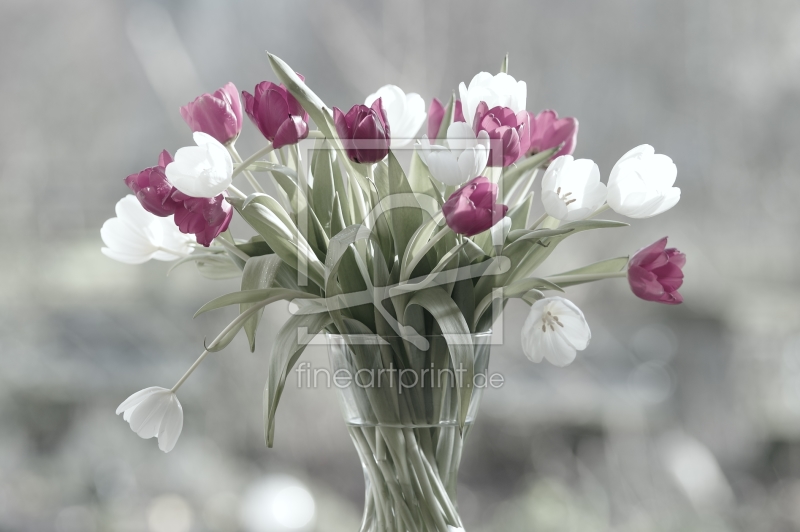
436	116
473	208
206	218
548	131
153	189
508	131
218	114
277	114
655	273
364	132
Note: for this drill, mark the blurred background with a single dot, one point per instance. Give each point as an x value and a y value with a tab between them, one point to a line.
674	419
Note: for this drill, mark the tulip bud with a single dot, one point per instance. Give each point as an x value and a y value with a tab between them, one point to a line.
508	131
206	218
473	208
218	114
364	132
153	189
276	113
548	131
655	273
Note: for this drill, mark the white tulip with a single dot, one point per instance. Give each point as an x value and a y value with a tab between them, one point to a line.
201	171
571	189
156	412
555	330
640	184
405	113
502	90
462	158
136	236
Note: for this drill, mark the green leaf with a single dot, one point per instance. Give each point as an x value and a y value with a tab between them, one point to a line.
287	350
259	295
216	267
604	266
447	119
263	212
421	181
256	247
404	220
337	220
514	172
459	342
323	191
504	65
259	273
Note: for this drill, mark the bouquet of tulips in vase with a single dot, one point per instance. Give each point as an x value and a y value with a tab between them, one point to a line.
403	267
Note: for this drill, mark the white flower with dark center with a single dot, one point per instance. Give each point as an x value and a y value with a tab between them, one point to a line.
136	236
201	171
462	158
405	113
640	184
155	412
555	330
571	189
500	90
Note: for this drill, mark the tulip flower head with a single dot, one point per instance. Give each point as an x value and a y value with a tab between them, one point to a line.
155	412
153	189
473	208
436	116
656	272
276	113
136	236
640	184
571	189
556	330
405	113
218	114
509	132
462	158
364	132
501	90
206	218
548	132
201	171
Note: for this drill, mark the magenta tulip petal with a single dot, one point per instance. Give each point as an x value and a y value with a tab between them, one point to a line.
435	117
655	273
218	114
270	108
364	132
472	209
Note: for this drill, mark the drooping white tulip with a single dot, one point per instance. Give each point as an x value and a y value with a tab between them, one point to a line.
555	329
502	90
201	171
640	184
405	113
136	236
462	158
155	412
571	189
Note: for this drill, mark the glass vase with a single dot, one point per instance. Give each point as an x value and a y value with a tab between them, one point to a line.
401	406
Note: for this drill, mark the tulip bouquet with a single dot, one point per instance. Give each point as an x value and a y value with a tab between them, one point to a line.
405	267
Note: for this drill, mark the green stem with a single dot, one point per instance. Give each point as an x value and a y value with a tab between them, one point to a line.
253	158
189	372
585	278
233	249
250	178
233	191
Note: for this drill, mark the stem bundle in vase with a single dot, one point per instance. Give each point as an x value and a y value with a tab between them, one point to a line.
403	268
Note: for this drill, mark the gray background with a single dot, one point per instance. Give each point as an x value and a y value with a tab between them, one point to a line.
675	418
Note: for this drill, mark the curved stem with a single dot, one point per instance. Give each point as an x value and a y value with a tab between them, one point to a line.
585	278
233	249
250	160
247	174
189	371
233	191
